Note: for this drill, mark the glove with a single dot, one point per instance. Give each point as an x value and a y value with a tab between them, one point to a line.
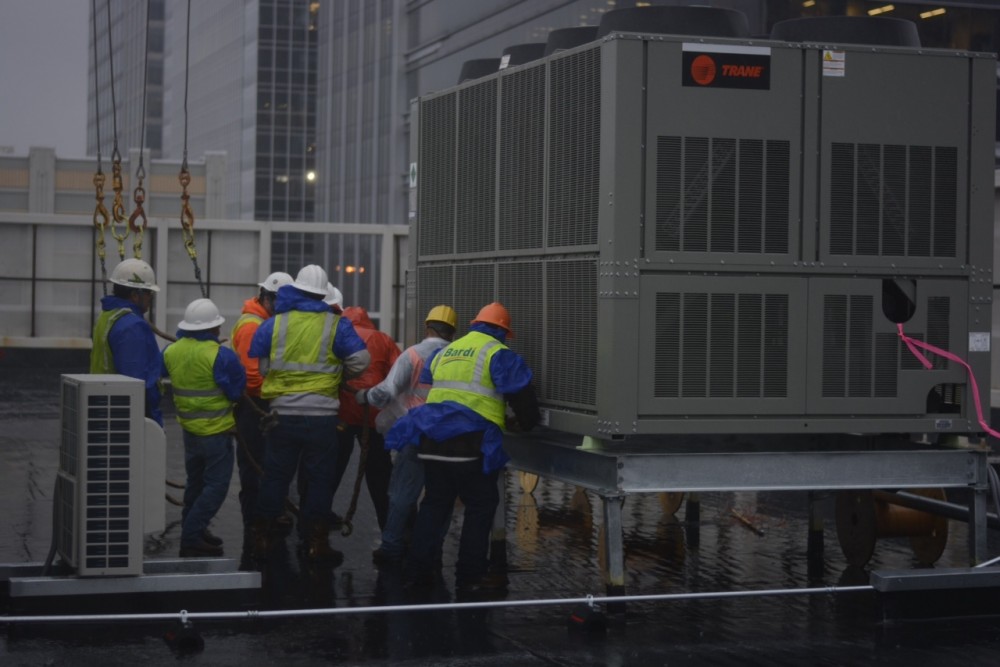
361	397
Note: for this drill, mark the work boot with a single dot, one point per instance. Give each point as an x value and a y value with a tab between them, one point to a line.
383	558
211	538
200	549
317	547
263	537
492	585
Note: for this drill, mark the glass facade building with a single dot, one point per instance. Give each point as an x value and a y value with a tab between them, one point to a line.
127	52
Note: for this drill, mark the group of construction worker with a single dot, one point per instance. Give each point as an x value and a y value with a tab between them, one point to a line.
305	379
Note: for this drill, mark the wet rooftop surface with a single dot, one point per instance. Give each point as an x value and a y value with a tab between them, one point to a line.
742	541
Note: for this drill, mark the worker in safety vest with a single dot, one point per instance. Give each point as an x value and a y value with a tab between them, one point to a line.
305	352
248	412
206	378
358	423
123	340
460	436
397	394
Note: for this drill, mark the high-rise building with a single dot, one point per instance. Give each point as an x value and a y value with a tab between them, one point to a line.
137	61
241	78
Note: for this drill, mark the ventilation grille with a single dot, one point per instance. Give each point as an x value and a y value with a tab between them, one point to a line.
519	286
721	345
475	286
105	478
722	195
434	286
571	321
574	148
437	176
893	201
858	363
522	154
475	229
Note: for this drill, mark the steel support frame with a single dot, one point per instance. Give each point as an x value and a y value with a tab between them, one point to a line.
616	471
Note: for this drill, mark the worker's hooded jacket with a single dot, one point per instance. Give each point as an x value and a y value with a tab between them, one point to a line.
383	352
124	343
402	389
246	326
206	379
305	351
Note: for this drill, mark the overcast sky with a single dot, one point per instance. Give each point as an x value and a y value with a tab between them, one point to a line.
43	76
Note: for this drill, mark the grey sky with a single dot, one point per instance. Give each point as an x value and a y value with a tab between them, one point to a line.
43	75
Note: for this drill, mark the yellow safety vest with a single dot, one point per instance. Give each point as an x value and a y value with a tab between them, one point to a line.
302	360
202	407
101	359
461	373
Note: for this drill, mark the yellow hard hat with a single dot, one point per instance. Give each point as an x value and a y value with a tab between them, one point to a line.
445	314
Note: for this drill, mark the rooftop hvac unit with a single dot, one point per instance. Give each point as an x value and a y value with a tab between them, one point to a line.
698	232
99	489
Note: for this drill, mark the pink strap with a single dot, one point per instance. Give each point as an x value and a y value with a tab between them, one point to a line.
913	344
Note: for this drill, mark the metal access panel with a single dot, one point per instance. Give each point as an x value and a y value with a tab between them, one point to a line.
732	339
863	366
895	140
722	163
100	509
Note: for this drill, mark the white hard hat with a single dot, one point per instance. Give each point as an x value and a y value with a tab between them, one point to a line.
134	273
201	314
333	296
311	279
276	280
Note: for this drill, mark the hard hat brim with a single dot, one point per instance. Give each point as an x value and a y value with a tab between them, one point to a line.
147	287
310	290
201	326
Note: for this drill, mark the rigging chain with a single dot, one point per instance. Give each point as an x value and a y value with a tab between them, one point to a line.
187	215
118	205
101	224
139	196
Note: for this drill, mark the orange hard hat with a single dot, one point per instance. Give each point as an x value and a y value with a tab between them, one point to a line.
495	313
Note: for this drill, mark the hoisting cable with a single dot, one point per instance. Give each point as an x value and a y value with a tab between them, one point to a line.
187	215
118	205
137	221
101	216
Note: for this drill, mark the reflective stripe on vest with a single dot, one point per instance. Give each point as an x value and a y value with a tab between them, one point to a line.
202	407
302	359
472	387
101	358
245	318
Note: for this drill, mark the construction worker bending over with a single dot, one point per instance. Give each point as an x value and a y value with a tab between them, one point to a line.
250	453
206	379
459	431
123	340
305	352
399	392
357	423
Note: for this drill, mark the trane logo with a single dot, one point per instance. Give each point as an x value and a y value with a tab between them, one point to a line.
745	71
728	70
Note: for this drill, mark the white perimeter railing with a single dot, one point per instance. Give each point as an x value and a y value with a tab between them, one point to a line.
51	283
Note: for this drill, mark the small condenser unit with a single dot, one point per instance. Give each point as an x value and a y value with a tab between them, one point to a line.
99	517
